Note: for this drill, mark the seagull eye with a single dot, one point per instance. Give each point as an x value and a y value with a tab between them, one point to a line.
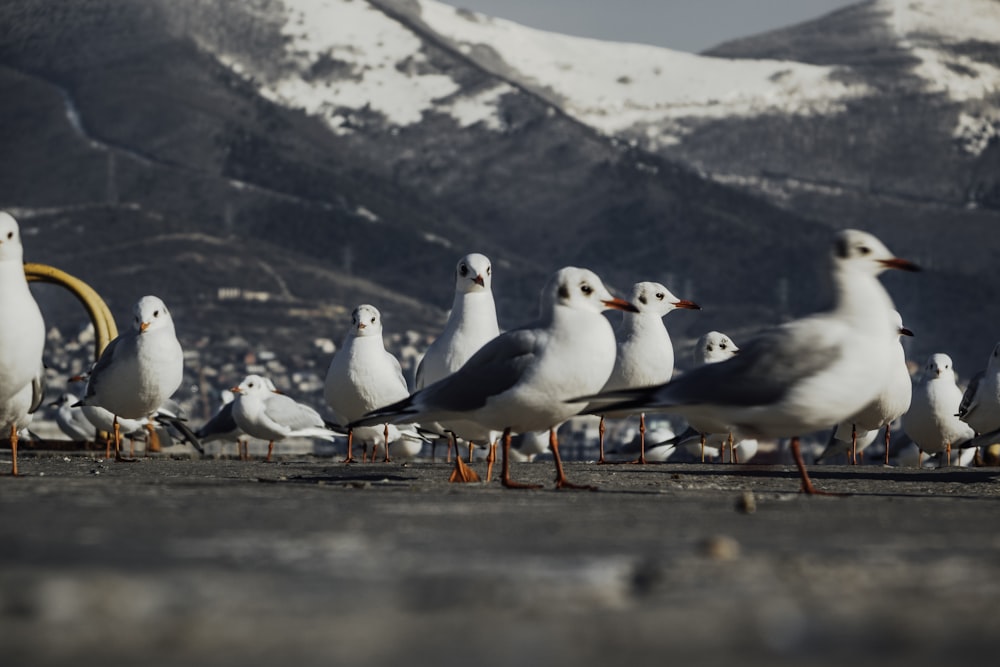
489	270
659	295
156	313
463	269
864	250
710	348
586	289
10	235
373	320
722	346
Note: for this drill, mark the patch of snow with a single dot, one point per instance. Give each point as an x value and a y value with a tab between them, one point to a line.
617	86
364	213
481	108
975	132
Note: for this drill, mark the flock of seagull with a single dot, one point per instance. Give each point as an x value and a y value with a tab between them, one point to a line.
843	369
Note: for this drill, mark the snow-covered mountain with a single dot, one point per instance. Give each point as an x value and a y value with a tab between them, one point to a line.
352	149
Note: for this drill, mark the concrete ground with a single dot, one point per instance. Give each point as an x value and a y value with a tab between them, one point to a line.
307	561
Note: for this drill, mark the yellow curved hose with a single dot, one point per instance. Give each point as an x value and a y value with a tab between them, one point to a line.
105	329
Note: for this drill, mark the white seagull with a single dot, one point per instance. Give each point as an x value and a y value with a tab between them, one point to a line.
71	420
980	405
471	323
932	420
523	379
261	412
800	376
712	348
139	370
22	339
362	377
645	352
854	434
222	425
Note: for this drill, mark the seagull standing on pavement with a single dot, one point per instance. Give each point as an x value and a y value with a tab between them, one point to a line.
471	323
859	431
645	352
801	376
71	420
523	379
362	377
22	340
980	405
932	420
139	370
261	412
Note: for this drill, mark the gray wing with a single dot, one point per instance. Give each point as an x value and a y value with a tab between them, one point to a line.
970	395
37	389
289	412
103	362
222	424
492	370
763	371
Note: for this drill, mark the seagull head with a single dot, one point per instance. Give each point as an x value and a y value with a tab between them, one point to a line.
150	314
366	321
939	366
861	251
10	238
581	289
254	385
473	273
655	299
715	346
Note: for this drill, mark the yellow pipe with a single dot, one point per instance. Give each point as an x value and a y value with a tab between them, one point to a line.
104	323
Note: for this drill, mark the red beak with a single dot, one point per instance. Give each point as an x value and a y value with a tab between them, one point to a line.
684	303
620	304
897	263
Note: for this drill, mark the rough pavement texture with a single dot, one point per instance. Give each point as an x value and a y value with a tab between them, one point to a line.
308	561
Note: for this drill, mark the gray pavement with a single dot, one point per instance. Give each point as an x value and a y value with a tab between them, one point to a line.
308	561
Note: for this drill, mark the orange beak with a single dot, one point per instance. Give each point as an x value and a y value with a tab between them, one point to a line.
897	263
235	390
143	327
479	281
684	303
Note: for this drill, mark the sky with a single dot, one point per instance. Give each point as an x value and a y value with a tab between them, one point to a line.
684	25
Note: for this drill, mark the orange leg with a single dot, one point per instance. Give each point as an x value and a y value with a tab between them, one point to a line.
270	450
13	449
854	445
505	467
600	431
807	485
733	458
118	442
561	481
702	447
887	444
385	434
642	439
350	443
490	460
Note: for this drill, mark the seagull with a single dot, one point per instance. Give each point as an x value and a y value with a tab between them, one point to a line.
523	379
711	348
139	370
932	420
800	376
22	339
980	405
222	425
71	420
363	376
854	434
471	323
645	353
261	412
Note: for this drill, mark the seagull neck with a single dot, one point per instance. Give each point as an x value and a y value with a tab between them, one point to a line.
479	305
861	298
